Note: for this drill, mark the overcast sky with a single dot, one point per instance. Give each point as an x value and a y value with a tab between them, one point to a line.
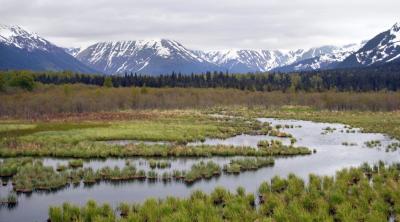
205	24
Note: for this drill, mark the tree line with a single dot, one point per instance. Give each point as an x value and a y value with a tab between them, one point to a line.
377	78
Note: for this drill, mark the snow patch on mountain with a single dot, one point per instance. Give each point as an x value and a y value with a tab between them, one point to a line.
21	49
143	56
383	48
325	60
266	60
395	32
20	38
254	60
72	50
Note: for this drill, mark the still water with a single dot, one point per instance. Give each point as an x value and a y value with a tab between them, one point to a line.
331	156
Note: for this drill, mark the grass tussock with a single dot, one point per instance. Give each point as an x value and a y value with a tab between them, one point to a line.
366	193
245	164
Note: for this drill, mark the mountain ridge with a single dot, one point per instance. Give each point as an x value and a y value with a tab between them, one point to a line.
141	56
383	48
154	56
20	49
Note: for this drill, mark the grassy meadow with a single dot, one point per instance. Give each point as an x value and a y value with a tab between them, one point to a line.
74	137
77	135
78	121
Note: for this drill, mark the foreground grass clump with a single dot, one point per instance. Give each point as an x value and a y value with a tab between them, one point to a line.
9	167
245	164
75	163
159	164
90	176
275	147
366	193
126	173
202	170
373	143
61	167
393	146
349	144
278	133
10	199
35	176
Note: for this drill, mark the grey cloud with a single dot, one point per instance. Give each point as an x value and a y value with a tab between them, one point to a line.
206	24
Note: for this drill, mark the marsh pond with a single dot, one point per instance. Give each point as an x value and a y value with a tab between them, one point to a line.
334	146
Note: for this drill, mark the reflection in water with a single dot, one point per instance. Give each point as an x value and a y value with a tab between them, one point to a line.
8	206
331	156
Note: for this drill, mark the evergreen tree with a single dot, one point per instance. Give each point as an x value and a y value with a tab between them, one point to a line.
108	82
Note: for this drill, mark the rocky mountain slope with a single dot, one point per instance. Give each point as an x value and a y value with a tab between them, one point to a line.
20	49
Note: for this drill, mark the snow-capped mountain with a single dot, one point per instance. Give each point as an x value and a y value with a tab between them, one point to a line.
17	37
325	60
72	50
164	56
159	56
242	61
383	48
260	60
20	49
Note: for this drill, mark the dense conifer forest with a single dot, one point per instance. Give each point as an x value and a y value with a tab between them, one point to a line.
375	78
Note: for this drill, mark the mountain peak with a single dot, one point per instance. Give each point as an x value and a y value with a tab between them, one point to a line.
395	32
21	49
396	27
383	48
20	38
150	56
8	32
162	47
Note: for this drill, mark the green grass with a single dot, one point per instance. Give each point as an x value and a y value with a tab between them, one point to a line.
19	129
9	167
10	199
202	170
7	127
35	176
183	128
161	164
75	163
138	130
245	164
367	193
82	139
